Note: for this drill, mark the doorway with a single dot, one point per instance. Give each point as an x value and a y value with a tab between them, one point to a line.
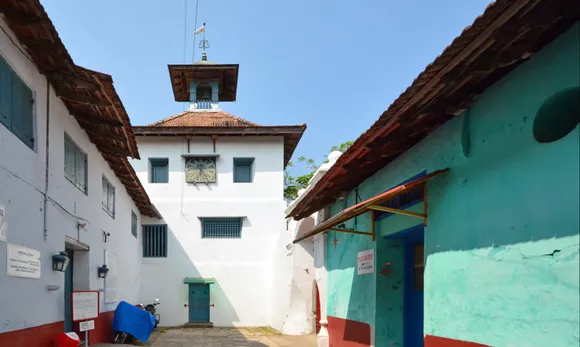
68	289
199	303
411	242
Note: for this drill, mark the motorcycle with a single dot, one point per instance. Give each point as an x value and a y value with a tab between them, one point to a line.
132	322
151	309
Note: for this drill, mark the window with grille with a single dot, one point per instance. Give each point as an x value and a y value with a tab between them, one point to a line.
159	170
243	170
155	241
134	222
75	164
16	104
403	201
221	228
108	197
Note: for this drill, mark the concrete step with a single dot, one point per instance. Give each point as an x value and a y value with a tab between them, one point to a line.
198	325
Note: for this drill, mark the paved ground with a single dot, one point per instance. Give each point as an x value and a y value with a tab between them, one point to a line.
222	337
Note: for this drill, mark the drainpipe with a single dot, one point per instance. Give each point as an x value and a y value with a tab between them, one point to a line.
45	221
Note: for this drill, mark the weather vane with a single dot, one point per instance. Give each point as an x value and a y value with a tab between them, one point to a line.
203	43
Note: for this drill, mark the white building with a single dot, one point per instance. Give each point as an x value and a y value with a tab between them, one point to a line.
58	190
217	181
300	276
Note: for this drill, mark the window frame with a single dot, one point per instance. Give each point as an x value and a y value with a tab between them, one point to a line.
240	162
82	186
158	162
240	220
148	248
110	188
18	120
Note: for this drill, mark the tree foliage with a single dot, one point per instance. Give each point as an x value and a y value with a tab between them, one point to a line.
292	184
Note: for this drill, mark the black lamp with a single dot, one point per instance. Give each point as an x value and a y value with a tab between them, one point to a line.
60	261
102	271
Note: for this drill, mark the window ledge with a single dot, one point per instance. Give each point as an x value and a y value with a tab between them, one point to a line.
193	155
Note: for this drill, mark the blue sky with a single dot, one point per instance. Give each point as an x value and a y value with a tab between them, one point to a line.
334	65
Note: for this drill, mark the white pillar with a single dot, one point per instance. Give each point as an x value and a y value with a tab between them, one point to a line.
320	242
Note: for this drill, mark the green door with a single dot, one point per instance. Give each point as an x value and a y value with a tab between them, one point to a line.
68	288
198	303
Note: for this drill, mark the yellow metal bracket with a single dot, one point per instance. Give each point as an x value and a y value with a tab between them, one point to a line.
371	234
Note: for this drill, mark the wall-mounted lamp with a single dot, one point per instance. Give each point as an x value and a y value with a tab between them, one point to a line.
60	261
102	271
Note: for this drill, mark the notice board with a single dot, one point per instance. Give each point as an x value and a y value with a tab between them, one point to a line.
85	305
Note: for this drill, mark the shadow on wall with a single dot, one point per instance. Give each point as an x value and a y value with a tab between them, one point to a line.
163	278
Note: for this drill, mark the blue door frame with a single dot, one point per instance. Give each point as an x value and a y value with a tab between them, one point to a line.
68	288
413	297
198	303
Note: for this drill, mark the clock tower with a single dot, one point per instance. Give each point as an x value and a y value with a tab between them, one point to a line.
204	84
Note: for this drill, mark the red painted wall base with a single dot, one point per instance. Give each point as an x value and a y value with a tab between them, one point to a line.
41	336
46	335
436	341
348	333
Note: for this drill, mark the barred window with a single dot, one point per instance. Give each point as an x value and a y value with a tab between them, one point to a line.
155	241
221	228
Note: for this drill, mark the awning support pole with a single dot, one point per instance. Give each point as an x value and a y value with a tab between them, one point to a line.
372	216
349	231
425	204
397	211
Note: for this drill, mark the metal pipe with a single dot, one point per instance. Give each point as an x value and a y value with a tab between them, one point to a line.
45	221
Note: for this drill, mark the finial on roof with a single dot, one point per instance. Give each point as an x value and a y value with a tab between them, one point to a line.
203	44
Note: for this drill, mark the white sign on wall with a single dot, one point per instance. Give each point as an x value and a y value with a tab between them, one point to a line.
3	224
85	305
87	325
22	261
111	279
366	262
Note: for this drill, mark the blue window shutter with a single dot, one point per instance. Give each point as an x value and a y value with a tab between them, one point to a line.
22	111
243	170
159	170
242	173
5	93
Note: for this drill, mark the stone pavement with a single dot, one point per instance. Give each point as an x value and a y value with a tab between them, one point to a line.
225	337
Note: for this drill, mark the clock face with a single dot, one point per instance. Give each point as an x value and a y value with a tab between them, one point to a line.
200	170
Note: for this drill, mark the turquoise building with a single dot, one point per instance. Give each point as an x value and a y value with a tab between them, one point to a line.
454	220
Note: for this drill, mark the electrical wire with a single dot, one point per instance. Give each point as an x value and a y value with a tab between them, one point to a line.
16	45
52	201
194	34
184	37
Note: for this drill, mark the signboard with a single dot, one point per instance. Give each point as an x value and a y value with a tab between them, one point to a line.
87	325
366	262
85	305
3	224
111	279
22	261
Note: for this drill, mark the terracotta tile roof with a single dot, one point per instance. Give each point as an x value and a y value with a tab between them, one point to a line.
89	96
507	34
196	119
220	123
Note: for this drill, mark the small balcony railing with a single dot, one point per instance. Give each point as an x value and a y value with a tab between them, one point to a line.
203	104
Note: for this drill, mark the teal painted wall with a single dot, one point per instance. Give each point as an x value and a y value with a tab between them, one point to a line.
493	220
350	296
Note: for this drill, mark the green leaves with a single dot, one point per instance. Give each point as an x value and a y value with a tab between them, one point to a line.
292	184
